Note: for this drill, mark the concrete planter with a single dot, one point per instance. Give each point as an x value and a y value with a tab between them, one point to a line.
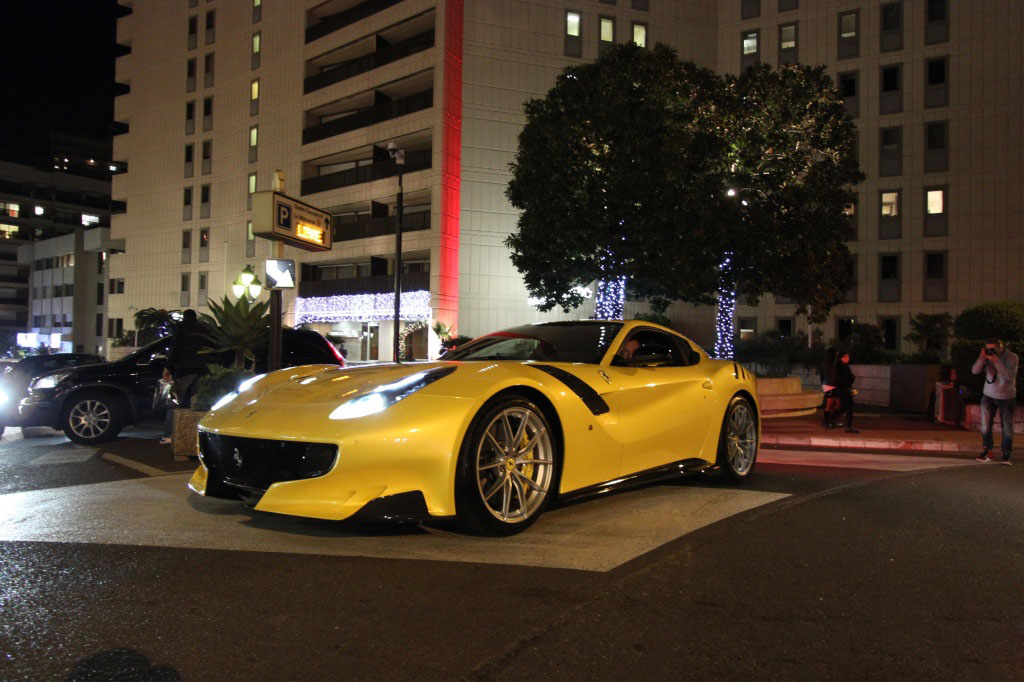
185	432
972	420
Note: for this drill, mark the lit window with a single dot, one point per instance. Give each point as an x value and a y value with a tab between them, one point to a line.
572	24
607	30
8	231
252	183
936	200
640	34
750	43
848	25
850	210
890	204
256	43
787	37
90	219
9	209
254	89
253	135
248	230
256	3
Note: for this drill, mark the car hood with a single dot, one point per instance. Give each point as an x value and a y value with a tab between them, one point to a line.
328	385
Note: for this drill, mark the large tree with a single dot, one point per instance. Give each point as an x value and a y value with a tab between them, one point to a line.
692	184
608	166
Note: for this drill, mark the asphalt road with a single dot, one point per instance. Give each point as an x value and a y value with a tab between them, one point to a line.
825	566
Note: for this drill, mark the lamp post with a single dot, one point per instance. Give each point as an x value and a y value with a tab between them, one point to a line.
247	284
399	156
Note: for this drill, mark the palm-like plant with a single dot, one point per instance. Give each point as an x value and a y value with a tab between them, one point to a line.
161	321
240	327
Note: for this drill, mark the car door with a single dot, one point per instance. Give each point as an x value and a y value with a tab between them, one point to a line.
146	374
662	401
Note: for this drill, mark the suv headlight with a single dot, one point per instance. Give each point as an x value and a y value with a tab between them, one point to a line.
50	380
383	397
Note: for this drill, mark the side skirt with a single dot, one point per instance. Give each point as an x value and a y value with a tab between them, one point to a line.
666	472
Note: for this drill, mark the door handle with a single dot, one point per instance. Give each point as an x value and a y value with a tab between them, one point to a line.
707	384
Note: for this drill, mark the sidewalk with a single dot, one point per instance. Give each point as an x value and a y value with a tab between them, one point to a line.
879	431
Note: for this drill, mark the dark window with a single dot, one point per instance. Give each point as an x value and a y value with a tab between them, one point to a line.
99	293
890	78
848	93
935	265
889	267
936	135
750	9
189	151
935	276
186	239
210	19
207	106
787	5
937	10
784	325
204	195
99	324
890	327
892	16
188	196
937	71
190	69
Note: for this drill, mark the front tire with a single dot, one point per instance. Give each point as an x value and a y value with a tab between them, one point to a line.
93	417
507	468
738	442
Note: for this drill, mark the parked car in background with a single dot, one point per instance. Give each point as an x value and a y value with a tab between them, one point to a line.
92	404
19	374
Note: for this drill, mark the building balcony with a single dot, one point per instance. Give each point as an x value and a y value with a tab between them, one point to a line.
373	284
330	17
384	53
368	172
365	227
362	118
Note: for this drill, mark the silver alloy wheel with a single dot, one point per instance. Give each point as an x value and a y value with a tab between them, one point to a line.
89	418
514	464
741	438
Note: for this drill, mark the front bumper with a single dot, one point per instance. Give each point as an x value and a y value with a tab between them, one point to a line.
38	410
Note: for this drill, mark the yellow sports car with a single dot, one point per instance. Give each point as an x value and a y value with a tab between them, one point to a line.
491	433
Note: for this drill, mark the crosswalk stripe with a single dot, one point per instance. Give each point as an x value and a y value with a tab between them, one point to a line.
132	464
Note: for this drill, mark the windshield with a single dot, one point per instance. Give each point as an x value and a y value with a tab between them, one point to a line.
585	342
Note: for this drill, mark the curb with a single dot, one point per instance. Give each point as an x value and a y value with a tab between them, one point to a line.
874	444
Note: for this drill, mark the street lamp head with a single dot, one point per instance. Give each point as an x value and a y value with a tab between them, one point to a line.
396	153
247	275
255	288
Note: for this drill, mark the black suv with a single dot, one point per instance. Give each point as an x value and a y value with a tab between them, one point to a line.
92	404
15	379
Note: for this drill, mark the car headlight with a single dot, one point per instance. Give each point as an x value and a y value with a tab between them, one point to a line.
242	388
383	397
50	380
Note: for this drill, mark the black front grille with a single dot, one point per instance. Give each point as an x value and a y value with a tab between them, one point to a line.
257	463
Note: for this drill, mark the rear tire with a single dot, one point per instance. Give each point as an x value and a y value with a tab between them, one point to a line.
507	470
93	417
738	442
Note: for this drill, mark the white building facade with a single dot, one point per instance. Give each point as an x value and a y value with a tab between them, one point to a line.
223	94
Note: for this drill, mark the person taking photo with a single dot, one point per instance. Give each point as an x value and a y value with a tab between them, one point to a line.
999	365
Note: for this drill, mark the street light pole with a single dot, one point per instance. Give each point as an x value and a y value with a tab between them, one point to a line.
399	156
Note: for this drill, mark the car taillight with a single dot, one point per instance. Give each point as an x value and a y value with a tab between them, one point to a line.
339	356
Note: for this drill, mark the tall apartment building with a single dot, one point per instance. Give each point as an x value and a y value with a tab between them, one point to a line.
220	95
54	237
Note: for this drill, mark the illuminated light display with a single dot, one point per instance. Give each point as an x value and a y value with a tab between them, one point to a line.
415	305
726	311
404	336
611	299
451	166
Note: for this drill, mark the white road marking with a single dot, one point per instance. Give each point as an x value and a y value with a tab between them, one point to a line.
858	460
64	457
132	464
596	535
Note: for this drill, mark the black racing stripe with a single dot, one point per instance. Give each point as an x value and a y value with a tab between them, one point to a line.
591	398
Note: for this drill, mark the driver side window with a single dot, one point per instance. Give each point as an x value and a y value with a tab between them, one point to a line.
650	347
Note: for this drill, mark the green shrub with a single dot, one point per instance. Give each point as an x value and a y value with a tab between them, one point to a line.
1001	319
217	384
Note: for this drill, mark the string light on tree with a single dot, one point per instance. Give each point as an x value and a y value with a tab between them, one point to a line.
611	299
726	311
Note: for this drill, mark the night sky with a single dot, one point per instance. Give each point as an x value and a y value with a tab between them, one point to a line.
57	73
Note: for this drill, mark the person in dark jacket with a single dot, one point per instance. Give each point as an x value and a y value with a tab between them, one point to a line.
184	364
842	378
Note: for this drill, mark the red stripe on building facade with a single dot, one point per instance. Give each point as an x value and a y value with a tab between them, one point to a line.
451	165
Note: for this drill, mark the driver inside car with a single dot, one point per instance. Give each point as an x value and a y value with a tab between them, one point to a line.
627	350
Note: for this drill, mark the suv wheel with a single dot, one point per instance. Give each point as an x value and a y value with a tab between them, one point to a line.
93	417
